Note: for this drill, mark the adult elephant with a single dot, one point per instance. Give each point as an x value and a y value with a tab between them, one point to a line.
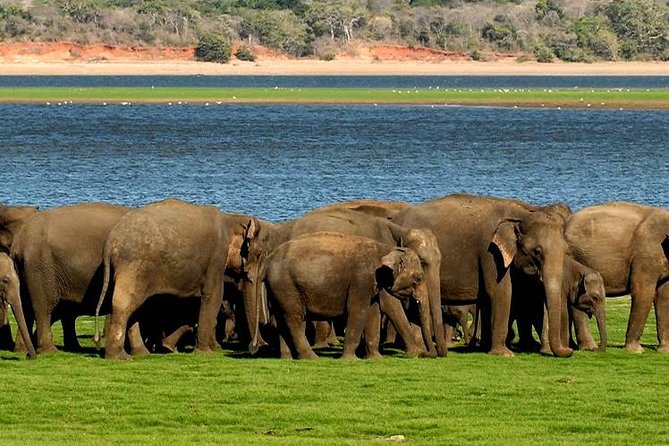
10	294
268	236
327	274
59	258
479	239
175	248
628	244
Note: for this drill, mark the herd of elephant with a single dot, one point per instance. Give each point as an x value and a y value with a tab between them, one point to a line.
360	269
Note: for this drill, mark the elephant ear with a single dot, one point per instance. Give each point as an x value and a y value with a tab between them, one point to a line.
250	232
391	265
505	240
11	219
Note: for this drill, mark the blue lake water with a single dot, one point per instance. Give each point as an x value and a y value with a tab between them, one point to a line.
277	161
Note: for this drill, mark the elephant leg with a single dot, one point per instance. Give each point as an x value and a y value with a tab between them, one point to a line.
297	327
584	338
449	331
211	304
390	337
372	331
392	307
70	341
44	335
284	350
545	347
125	301
357	318
662	317
137	346
170	342
322	329
643	295
499	294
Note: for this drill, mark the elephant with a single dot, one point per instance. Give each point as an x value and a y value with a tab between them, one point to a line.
10	293
583	296
377	208
327	275
268	236
628	244
458	315
480	239
58	254
175	248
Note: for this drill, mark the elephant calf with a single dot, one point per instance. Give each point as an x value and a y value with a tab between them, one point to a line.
10	294
326	275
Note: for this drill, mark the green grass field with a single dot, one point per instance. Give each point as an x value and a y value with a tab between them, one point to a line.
466	398
576	97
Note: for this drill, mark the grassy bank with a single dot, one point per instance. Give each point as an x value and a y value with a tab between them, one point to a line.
576	97
467	398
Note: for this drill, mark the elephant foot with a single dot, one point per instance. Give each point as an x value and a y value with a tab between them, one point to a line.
349	357
546	350
47	350
311	355
501	351
139	351
122	355
414	352
634	347
321	345
207	349
590	346
374	356
170	348
663	348
429	354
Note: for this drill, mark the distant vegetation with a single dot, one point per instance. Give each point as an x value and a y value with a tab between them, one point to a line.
570	30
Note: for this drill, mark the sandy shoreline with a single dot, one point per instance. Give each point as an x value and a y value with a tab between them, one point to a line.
288	67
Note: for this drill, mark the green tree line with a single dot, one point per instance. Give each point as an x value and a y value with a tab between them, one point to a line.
570	30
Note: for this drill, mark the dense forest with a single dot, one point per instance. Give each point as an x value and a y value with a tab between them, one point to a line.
570	30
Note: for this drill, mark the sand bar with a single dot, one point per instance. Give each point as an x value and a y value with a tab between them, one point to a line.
336	67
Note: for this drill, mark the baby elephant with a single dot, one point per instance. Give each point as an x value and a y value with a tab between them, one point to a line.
10	294
326	275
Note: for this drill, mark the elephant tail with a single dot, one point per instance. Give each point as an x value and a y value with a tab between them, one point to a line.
103	293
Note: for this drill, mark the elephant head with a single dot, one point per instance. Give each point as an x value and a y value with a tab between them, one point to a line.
11	219
535	244
10	294
424	244
401	274
590	298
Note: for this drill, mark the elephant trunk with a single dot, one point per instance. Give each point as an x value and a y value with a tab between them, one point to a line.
434	298
14	300
426	321
554	304
600	314
252	296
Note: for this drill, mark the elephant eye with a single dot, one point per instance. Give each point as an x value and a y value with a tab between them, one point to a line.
537	252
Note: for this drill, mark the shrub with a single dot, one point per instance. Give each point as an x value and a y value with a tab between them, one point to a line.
327	57
543	54
244	54
213	48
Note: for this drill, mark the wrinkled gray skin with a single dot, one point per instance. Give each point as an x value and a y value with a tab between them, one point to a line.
10	294
59	257
327	275
629	245
583	296
268	236
479	239
175	248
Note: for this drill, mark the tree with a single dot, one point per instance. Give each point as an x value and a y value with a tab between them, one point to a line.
642	23
213	48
